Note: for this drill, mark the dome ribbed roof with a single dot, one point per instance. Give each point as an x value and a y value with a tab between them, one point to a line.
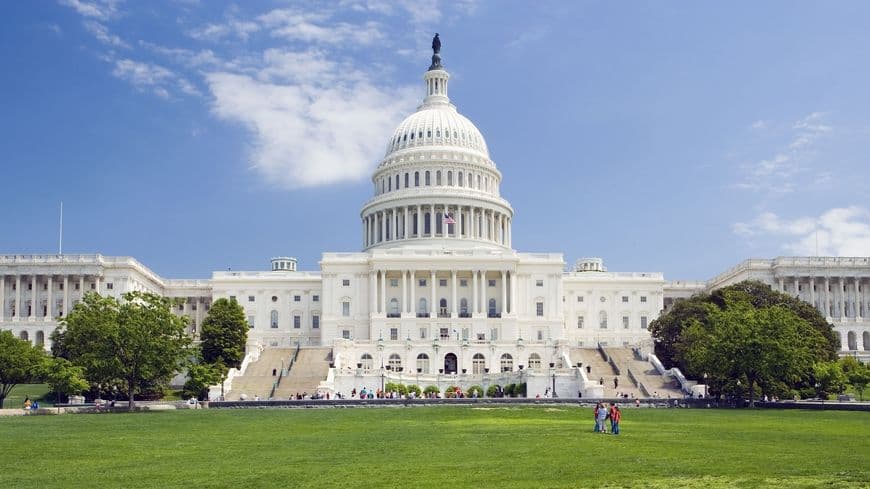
437	126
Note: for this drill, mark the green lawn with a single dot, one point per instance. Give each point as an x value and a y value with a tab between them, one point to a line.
437	447
21	391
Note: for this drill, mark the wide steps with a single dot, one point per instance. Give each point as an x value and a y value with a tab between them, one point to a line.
600	370
644	372
258	379
311	368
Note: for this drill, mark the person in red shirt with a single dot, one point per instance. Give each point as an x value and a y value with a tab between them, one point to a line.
615	416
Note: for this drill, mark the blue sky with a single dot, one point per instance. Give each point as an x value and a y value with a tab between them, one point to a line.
679	137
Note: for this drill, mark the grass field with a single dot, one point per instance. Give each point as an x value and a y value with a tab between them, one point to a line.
437	447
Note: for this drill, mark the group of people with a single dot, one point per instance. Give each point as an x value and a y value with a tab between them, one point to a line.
30	407
602	413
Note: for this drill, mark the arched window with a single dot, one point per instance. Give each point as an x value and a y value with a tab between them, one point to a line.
397	182
852	340
478	182
389	184
450	177
492	311
427	178
24	336
414	227
395	362
423	363
40	338
367	362
534	361
442	308
438	177
417	176
463	308
507	362
423	307
416	179
273	319
427	226
394	308
459	179
602	320
478	364
866	338
439	224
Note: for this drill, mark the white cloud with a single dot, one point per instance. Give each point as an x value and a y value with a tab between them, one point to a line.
144	76
313	27
838	232
529	36
101	32
98	9
310	131
216	32
777	174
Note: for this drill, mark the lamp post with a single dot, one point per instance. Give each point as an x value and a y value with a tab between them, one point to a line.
553	375
705	385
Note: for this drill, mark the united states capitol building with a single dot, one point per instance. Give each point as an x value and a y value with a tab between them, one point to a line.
437	295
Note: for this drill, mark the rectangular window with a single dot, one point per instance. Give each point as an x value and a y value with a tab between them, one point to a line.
493	334
345	309
625	298
45	286
539	283
345	334
643	298
463	282
77	287
232	298
93	286
274	323
643	322
394	282
345	283
251	322
315	298
423	333
297	322
444	334
580	322
394	334
465	334
540	335
297	298
539	309
60	286
442	282
491	282
315	322
250	298
579	298
110	285
422	282
625	322
193	307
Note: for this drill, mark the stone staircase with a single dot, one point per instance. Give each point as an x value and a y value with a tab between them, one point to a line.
599	369
645	373
258	378
310	368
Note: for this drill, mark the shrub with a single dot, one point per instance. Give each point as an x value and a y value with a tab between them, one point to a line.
391	386
510	390
431	389
492	390
521	390
415	389
475	388
450	392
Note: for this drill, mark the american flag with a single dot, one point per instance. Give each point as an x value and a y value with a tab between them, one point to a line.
448	219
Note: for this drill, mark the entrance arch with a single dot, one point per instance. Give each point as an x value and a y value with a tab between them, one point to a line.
450	363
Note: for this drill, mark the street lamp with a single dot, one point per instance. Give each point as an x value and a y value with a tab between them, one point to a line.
705	385
553	375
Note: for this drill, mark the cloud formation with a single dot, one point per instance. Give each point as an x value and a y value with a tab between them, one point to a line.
841	231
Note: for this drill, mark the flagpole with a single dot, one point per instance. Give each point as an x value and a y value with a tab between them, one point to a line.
60	237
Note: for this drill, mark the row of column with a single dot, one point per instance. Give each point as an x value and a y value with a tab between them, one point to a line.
478	300
848	298
34	295
428	220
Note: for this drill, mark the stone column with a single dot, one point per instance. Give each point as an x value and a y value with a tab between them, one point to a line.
81	287
797	287
459	221
404	302
514	290
413	304
453	304
383	292
406	234
474	293
373	290
813	292
841	292
433	307
858	301
18	297
48	310
33	302
2	297
65	295
503	293
827	312
433	224
381	226
419	221
781	284
395	224
97	284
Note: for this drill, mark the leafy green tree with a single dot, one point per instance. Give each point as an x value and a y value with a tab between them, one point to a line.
64	378
857	374
134	341
829	378
200	377
20	363
224	334
761	347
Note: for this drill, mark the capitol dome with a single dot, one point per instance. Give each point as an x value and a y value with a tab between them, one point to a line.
436	185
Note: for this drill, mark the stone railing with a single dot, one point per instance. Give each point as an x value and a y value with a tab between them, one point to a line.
685	384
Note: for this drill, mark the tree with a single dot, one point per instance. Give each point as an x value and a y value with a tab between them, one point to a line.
200	377
857	374
830	379
20	363
224	334
64	378
135	341
761	347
